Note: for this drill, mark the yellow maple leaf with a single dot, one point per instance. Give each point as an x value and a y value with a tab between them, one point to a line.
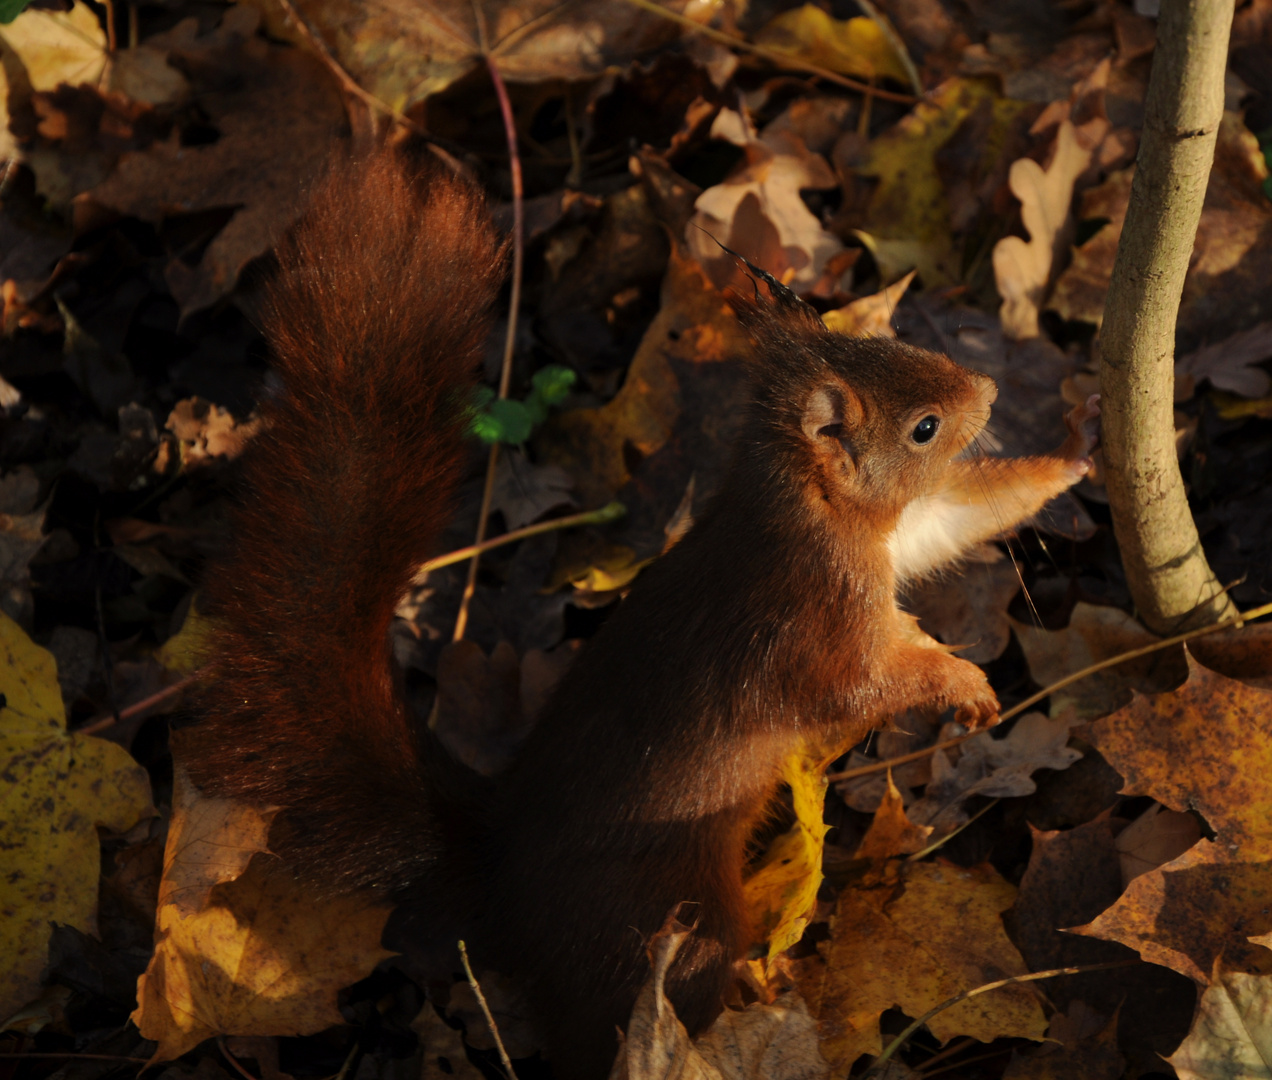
58	789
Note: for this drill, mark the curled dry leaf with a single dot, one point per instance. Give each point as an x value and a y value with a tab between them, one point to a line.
758	211
762	1042
871	316
250	953
1230	364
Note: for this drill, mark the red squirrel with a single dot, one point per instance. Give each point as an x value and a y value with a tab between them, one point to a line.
773	619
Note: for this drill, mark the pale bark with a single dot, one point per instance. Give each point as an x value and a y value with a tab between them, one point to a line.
1170	581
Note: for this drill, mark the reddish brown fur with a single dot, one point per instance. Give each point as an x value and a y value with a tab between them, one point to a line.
775	617
376	322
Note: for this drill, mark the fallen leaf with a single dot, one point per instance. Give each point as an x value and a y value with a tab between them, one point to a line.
1080	1043
996	768
250	953
871	316
1226	275
1024	269
762	1042
781	892
1097	633
892	833
1230	364
186	651
21	537
443	1048
912	945
968	610
758	212
56	47
404	53
205	431
856	46
906	225
287	144
59	788
1157	836
1231	1038
1205	904
525	491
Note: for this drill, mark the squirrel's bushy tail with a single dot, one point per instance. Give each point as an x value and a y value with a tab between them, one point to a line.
376	319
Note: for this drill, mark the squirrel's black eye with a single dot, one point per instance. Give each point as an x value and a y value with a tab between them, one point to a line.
925	429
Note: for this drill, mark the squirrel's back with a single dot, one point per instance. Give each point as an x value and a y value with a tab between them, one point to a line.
376	319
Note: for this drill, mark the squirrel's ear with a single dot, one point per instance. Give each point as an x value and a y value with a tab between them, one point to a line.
830	412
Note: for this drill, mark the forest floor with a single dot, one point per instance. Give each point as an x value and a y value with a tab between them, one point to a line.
954	175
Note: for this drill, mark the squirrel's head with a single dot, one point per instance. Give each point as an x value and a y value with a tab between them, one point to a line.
863	426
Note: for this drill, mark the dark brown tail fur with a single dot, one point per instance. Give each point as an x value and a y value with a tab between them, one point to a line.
376	319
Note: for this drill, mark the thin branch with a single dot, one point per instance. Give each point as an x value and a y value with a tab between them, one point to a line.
1033	699
510	339
101	723
234	1062
71	1054
772	55
607	513
343	77
1170	580
901	1039
485	1009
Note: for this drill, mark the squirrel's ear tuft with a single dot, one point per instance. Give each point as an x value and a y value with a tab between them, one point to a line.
775	299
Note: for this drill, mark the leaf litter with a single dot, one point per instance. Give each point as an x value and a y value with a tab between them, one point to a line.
150	173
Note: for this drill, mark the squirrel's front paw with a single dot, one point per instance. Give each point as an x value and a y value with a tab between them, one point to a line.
1083	422
975	703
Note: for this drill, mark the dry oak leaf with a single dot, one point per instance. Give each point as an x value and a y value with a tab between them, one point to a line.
280	118
248	953
402	51
1023	269
907	222
1231	259
933	934
57	789
761	1042
1231	1036
759	213
1205	904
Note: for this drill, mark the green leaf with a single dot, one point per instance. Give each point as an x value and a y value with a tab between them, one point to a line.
11	9
553	383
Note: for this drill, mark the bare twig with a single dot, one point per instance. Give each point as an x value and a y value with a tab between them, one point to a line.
234	1062
510	339
343	77
901	1039
101	723
1033	699
485	1010
607	513
772	55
